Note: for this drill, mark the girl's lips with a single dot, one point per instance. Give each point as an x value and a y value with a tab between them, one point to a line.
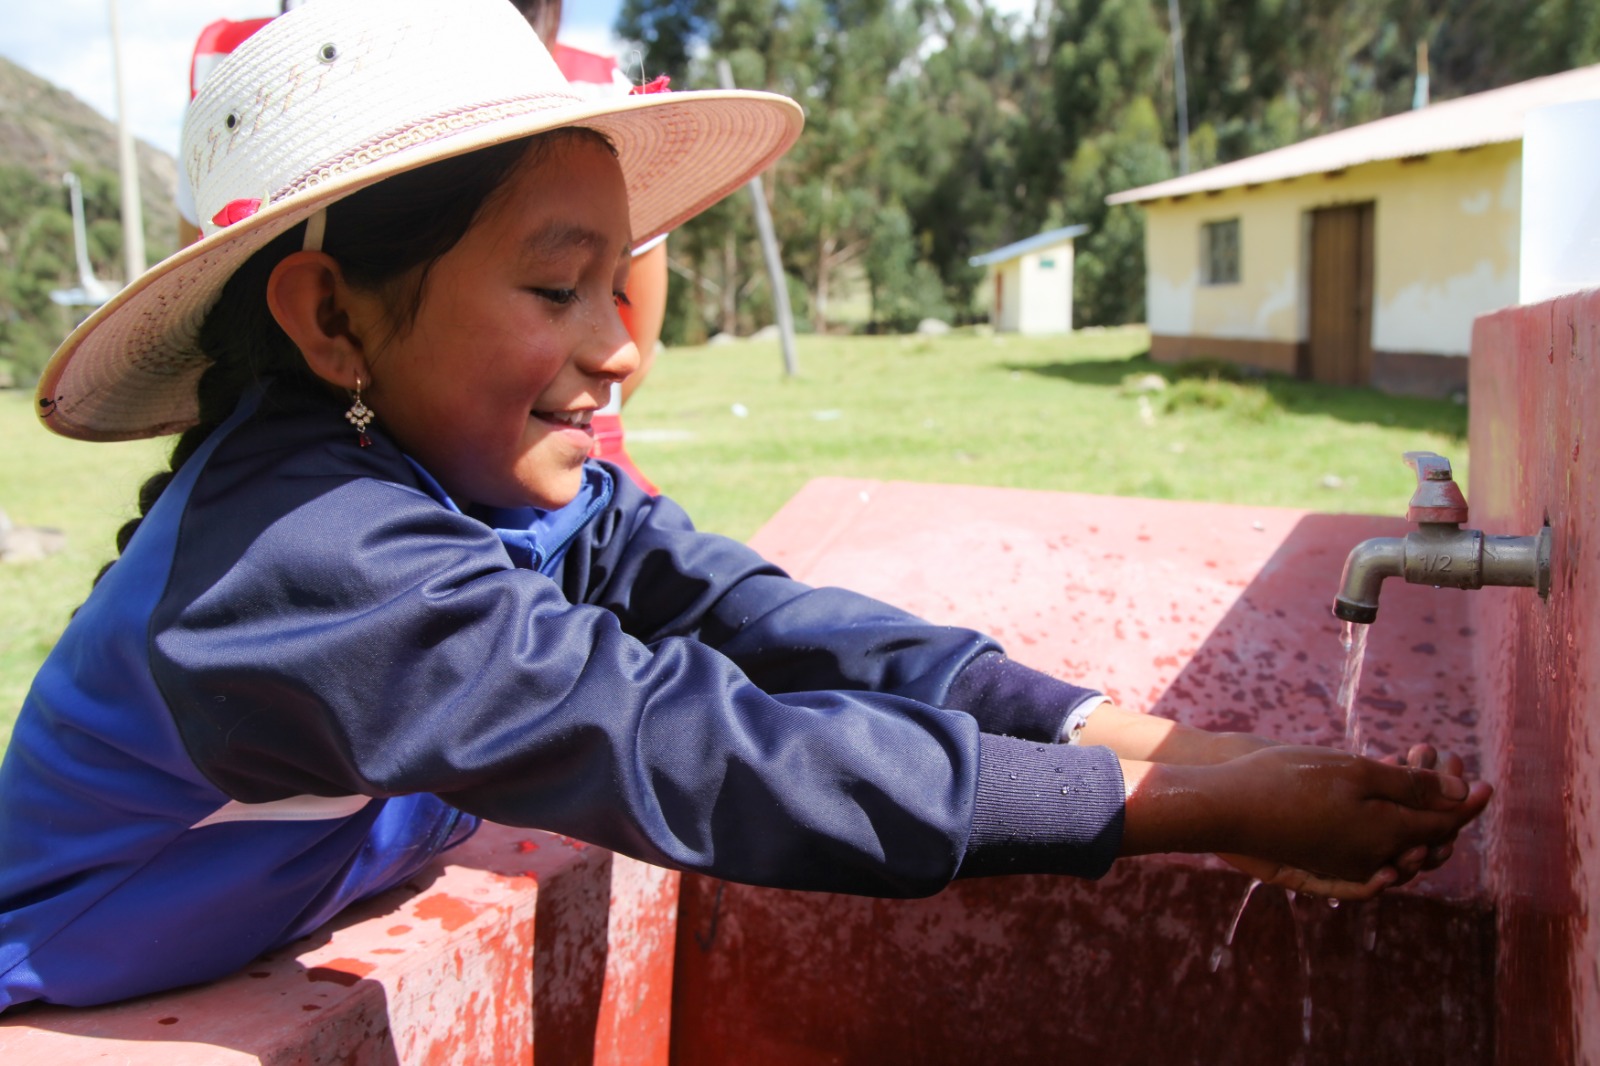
572	427
578	420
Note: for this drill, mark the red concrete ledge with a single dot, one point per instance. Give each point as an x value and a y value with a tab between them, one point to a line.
517	946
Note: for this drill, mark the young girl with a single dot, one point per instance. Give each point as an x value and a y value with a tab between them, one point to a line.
382	593
644	310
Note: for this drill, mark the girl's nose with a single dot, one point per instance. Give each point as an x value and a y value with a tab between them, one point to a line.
608	352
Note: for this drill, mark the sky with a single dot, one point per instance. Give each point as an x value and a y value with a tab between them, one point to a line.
68	42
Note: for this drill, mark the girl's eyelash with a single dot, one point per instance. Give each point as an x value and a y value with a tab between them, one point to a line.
622	299
559	297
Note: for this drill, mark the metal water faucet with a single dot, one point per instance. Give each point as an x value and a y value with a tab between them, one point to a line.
1439	552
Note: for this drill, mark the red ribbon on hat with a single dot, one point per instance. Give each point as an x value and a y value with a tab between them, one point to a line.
235	211
659	85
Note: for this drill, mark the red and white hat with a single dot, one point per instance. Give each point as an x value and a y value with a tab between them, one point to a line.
337	95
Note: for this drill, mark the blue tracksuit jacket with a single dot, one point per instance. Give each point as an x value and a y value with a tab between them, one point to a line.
309	673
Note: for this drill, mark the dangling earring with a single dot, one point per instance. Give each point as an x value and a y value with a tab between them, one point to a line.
359	415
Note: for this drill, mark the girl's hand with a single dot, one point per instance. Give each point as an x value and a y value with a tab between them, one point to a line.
1335	816
1345	817
1401	869
1303	881
1425	757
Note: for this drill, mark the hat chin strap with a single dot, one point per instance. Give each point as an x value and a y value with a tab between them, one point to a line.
316	227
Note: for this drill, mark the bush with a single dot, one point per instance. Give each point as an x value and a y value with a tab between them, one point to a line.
1247	402
1211	368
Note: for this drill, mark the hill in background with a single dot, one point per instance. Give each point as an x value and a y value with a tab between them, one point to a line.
44	132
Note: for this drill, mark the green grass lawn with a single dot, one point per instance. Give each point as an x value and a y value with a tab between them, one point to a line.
86	490
1028	412
1039	413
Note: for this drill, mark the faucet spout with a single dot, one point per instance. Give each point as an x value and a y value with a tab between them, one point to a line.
1368	564
1439	552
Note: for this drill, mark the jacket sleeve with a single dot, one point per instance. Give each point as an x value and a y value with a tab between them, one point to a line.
675	698
645	562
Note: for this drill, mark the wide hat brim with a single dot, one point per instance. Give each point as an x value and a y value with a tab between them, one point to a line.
130	370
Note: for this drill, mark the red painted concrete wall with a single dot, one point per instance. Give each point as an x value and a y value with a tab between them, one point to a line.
1212	614
1535	393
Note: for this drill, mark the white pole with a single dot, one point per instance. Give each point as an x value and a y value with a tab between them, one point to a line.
1180	85
132	214
769	249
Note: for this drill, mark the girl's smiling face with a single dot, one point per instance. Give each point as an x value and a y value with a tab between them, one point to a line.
516	340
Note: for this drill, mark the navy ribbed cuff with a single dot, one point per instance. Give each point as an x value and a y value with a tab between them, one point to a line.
1044	809
1015	700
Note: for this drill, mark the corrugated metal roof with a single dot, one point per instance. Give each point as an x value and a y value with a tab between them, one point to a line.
1491	117
1030	244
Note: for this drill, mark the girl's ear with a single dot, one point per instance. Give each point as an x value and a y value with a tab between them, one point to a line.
308	297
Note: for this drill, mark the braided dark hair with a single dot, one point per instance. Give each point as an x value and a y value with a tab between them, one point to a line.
380	237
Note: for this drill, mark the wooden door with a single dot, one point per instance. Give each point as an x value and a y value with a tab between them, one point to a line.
1340	345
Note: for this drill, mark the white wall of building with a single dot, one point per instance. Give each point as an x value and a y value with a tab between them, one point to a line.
1035	294
1047	290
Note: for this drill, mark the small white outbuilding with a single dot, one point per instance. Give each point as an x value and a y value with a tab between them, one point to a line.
1029	282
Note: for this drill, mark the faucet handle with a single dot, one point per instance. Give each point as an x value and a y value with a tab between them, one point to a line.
1438	498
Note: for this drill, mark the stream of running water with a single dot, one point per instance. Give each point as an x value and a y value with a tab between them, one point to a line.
1353	639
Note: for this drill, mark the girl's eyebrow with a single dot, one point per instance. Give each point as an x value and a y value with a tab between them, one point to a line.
556	237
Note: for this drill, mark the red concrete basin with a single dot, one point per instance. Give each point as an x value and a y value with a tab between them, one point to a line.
1212	614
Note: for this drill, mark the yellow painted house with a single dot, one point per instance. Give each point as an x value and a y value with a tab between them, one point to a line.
1360	257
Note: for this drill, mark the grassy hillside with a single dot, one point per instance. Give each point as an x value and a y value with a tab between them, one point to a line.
44	132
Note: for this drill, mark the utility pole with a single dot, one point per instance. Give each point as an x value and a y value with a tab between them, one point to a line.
132	213
1180	85
769	250
1419	96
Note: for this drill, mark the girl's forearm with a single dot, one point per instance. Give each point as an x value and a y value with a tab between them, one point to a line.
1150	738
1172	807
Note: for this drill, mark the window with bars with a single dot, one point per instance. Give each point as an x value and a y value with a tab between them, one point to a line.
1219	252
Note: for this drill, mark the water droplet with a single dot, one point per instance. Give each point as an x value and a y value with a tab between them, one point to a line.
1333	903
1220	956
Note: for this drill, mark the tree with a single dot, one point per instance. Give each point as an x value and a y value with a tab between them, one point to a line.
1108	278
939	129
668	31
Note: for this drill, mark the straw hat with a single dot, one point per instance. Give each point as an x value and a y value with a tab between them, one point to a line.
335	96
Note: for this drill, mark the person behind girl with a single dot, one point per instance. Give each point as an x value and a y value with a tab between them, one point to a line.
383	592
215	43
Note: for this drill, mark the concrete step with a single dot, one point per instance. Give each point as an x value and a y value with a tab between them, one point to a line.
515	947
